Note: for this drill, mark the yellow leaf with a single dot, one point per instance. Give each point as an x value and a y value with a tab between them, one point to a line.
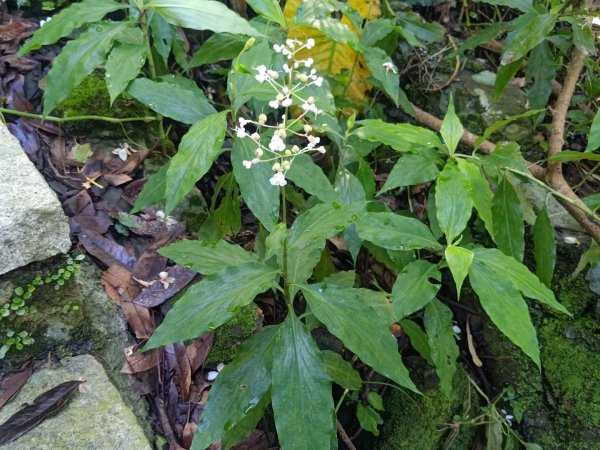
369	9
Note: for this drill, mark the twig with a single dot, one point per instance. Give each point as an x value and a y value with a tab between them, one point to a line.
73	118
344	436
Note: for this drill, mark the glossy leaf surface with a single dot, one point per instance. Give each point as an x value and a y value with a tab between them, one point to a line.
395	232
413	288
444	351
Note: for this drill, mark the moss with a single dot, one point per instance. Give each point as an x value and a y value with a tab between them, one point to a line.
229	336
422	422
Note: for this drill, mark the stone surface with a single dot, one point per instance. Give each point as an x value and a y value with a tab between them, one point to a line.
33	226
593	279
94	418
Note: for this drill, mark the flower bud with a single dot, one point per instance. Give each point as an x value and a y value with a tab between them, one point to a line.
276	167
302	77
262	119
287	153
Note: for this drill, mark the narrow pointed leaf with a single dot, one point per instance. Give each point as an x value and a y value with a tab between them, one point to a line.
78	59
395	232
594	136
218	47
247	425
301	393
341	372
63	23
153	191
413	288
310	177
123	64
387	78
452	129
347	316
481	192
504	305
197	151
418	338
541	68
238	388
212	302
544	247
444	351
534	30
508	220
412	169
459	260
207	257
396	135
269	9
453	201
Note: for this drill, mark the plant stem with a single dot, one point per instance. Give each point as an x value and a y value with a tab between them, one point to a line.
74	118
341	400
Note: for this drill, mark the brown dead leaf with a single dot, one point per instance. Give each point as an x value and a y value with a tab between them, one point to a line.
189	430
184	369
156	294
12	383
198	350
140	362
105	249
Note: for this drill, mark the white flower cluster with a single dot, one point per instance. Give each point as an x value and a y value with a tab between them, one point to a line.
292	81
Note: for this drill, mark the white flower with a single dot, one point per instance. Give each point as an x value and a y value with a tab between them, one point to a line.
255	136
320	149
286	102
258	152
278	179
262	119
165	279
456	329
310	43
273	74
390	66
240	132
276	167
278	48
247	164
42	22
318	82
262	75
312	142
276	144
274	104
309	62
571	240
213	373
123	151
307	128
287	69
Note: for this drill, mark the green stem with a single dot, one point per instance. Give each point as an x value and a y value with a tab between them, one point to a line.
73	118
339	404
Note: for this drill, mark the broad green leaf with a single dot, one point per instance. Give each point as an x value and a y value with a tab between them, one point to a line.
335	30
541	68
78	59
519	42
307	236
246	425
508	220
583	37
519	275
177	98
414	25
481	192
494	435
310	177
350	191
594	137
123	64
504	156
345	278
571	155
195	155
504	305
395	232
459	260
396	135
218	47
411	169
368	418
347	316
269	9
453	200
590	257
380	302
375	400
153	192
238	389
202	15
341	372
212	302
501	124
592	201
504	74
207	257
376	30
63	23
386	76
366	176
162	36
418	338
521	5
413	288
275	242
452	129
544	247
444	351
259	195
301	393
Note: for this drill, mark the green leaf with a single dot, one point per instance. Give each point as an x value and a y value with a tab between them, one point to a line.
335	30
501	124
521	278
212	302
411	169
368	418
238	389
481	192
347	316
395	232
63	23
504	74
162	36
412	289
123	64
375	30
177	98
247	425
534	30
485	35
269	9
375	400
594	137
207	257
459	260
260	196
504	305
544	247
590	257
413	24
218	47
453	200
452	129
386	76
444	351
541	68
153	192
508	155
275	242
78	59
202	15
571	155
302	400
197	151
341	372
508	220
310	177
418	338
521	5
396	135
306	237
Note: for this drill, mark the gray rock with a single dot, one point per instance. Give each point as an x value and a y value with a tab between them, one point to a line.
33	226
94	418
593	279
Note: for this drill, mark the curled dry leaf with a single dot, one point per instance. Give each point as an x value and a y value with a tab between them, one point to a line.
140	362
